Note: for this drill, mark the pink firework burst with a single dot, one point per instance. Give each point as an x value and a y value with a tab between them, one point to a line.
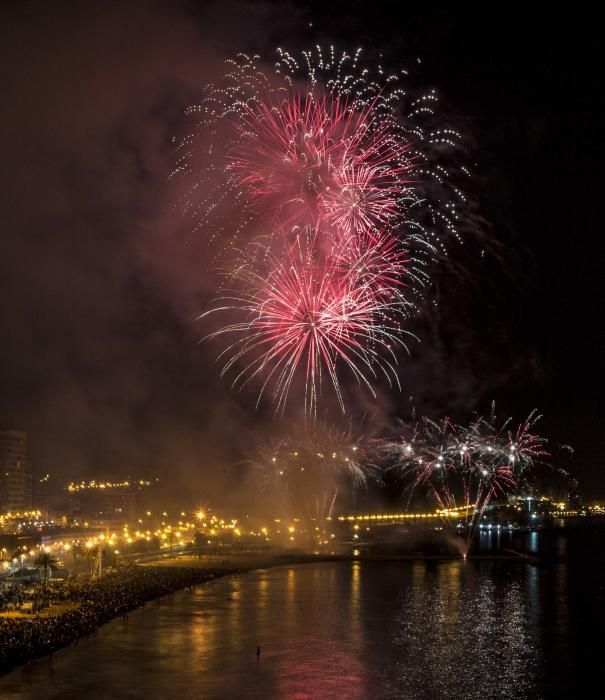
318	161
330	186
379	265
307	316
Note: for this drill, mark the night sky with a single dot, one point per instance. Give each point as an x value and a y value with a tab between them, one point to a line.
101	279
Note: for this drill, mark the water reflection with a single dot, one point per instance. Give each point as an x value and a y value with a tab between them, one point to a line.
461	634
355	617
425	629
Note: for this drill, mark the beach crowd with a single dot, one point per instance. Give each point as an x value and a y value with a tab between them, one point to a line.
93	602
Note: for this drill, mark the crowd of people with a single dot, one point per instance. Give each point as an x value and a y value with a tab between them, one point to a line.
11	594
96	601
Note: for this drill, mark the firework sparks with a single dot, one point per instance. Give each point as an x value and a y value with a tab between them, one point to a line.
324	141
310	316
319	149
318	161
309	474
464	467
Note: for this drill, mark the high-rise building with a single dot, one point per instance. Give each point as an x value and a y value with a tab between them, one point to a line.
574	500
15	472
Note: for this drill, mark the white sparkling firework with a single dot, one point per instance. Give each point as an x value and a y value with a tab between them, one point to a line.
319	143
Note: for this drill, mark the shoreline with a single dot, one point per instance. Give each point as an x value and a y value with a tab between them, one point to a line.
25	639
177	575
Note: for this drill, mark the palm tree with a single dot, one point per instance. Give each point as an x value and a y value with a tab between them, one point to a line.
47	562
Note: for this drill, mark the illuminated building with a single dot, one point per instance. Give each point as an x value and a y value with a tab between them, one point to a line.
15	472
106	501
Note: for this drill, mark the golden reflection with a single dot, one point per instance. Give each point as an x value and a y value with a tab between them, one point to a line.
290	591
450	575
202	632
355	605
418	571
263	589
234	601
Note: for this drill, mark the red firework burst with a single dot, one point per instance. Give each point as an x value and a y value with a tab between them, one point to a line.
338	180
320	162
309	315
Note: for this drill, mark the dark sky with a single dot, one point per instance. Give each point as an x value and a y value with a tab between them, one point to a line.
101	281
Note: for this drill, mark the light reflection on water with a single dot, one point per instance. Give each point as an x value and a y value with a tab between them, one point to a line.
424	629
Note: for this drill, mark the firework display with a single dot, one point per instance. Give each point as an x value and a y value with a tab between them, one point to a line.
307	475
464	467
311	313
337	194
326	191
